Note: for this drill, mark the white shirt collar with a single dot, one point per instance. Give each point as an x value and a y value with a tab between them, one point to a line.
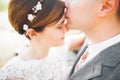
97	48
103	45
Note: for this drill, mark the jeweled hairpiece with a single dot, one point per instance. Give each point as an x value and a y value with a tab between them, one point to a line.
30	17
25	27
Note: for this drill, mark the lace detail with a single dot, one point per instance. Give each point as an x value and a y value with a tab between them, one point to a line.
49	68
52	67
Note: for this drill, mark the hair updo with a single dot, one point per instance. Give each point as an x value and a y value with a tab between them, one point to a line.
18	10
118	10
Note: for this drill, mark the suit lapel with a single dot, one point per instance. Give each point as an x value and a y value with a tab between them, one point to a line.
108	58
88	71
81	51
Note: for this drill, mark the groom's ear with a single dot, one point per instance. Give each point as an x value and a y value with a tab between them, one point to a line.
107	7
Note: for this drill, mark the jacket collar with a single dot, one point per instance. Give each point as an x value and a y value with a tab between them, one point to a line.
81	51
109	57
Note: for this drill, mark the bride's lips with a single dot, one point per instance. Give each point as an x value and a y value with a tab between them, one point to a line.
63	38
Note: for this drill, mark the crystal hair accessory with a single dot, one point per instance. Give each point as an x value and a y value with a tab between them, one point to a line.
25	27
30	17
35	9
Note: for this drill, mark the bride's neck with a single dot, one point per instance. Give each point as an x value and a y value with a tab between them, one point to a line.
35	53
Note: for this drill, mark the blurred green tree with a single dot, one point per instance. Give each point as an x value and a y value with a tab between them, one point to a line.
3	6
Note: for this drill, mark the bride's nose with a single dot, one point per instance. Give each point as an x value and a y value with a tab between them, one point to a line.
66	29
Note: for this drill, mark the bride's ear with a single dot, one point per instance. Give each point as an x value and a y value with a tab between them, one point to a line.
107	6
31	33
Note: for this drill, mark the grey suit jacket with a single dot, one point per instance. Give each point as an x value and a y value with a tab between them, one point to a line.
105	66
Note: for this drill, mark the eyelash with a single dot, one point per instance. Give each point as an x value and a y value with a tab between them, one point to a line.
59	27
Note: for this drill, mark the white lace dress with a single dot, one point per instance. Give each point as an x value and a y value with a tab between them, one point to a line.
52	67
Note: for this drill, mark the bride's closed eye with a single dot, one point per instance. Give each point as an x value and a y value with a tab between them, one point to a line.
60	26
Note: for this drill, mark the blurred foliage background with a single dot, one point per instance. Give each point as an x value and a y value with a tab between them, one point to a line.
8	38
3	5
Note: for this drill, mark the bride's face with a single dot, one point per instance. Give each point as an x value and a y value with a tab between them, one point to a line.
53	35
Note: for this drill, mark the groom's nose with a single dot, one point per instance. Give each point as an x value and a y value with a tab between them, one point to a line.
67	5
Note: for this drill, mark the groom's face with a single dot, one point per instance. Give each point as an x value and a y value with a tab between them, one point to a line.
81	14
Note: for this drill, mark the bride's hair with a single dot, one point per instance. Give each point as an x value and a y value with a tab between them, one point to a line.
18	10
118	10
